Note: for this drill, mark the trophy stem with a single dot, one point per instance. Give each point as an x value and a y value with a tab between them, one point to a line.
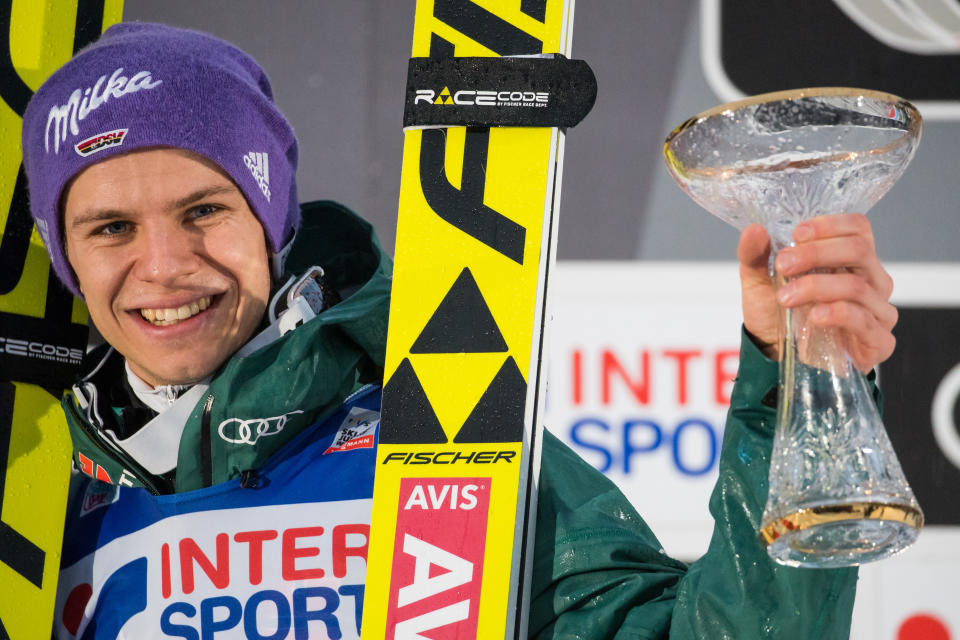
838	496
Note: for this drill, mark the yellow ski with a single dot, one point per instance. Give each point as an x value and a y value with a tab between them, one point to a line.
459	443
42	327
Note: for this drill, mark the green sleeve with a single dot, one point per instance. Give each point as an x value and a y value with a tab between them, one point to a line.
735	590
599	572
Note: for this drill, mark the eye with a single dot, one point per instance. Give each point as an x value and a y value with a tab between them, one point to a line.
113	228
203	211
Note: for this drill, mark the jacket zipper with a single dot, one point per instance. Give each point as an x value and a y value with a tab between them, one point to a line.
206	445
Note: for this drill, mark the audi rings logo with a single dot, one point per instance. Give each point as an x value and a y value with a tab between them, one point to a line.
240	431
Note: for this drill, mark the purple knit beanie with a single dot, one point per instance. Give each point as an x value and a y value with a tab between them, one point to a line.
149	85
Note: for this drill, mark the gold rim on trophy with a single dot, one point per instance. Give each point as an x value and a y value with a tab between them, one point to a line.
808	518
909	113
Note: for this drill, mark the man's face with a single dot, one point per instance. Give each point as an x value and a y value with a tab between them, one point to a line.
170	259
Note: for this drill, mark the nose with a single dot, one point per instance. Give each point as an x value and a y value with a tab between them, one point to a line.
165	254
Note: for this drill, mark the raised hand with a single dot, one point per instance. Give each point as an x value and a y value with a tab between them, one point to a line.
834	268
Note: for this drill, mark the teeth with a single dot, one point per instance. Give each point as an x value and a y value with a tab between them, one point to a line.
169	316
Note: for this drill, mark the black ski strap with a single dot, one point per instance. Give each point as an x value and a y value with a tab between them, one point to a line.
534	91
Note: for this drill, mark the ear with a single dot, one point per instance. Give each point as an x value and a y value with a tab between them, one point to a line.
279	259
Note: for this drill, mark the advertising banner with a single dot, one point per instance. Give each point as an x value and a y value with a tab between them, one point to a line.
642	363
643	359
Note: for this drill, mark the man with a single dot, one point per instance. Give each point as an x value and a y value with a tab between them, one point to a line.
162	180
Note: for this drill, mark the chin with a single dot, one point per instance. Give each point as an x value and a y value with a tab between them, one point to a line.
186	375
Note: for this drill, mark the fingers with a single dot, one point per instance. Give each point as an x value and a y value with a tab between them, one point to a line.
826	288
869	340
831	242
834	271
840	224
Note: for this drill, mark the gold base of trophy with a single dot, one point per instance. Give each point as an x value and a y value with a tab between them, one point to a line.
842	534
809	518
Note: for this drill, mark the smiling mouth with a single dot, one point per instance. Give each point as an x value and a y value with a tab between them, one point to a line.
169	316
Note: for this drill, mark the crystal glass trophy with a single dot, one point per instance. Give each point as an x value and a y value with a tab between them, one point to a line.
838	496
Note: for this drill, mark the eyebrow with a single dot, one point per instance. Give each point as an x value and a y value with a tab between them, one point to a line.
100	215
200	194
92	217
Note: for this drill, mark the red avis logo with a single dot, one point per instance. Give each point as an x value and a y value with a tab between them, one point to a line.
438	558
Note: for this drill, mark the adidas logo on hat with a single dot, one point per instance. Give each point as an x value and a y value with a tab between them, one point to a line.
257	163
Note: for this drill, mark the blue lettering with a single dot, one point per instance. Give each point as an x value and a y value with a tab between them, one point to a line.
209	626
646	436
302	616
628	447
576	438
356	592
178	630
694	422
250	615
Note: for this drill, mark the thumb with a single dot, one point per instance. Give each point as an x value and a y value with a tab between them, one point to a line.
760	311
753	252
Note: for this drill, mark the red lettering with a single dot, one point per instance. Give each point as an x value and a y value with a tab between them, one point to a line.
102	475
219	574
577	376
340	549
255	539
291	552
165	571
724	376
86	464
682	356
639	388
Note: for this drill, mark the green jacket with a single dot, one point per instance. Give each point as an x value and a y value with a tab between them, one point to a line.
599	572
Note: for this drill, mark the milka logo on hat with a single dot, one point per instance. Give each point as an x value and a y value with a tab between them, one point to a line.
83	101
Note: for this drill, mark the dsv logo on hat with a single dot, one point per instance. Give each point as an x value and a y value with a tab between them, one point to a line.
240	431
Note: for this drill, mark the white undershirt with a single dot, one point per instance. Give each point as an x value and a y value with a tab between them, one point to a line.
158	398
155	444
